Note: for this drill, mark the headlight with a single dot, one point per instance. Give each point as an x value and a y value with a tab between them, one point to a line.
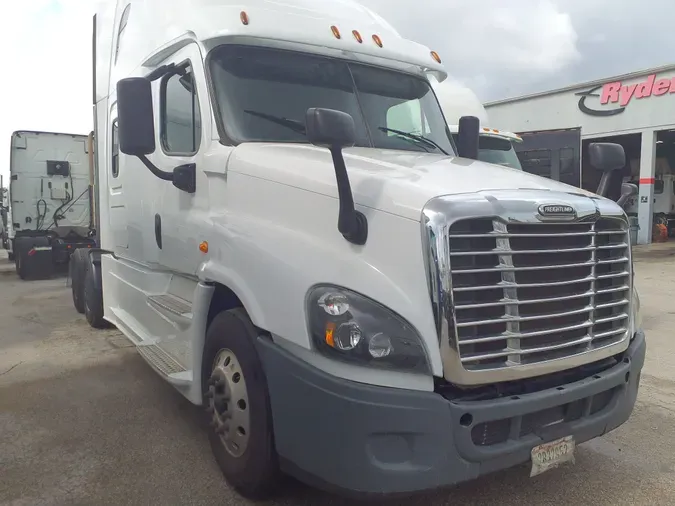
350	327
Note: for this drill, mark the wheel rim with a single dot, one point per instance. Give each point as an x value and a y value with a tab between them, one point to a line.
228	403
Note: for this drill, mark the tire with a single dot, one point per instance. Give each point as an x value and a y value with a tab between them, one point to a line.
20	265
254	472
10	256
76	268
93	299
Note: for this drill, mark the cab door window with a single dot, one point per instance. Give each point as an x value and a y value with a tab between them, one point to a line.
181	126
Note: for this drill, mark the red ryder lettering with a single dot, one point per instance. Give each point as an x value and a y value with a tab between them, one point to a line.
623	94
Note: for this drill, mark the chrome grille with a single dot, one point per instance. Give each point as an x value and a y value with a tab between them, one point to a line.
526	293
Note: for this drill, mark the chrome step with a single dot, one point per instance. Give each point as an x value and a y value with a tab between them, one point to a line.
160	359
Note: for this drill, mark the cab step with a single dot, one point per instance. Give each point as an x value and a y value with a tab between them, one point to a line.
161	360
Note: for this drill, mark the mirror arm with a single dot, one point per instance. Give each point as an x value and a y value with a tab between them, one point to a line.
352	224
166	176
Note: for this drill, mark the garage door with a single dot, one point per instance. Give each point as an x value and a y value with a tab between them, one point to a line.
553	154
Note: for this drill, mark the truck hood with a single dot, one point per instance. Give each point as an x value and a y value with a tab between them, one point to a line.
396	182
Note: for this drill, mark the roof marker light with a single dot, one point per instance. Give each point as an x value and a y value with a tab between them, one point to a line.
244	17
357	36
436	56
377	40
336	32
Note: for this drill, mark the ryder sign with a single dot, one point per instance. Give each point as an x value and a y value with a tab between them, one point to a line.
620	94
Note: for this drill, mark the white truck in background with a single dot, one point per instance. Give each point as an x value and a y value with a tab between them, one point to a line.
49	201
494	146
4	207
365	307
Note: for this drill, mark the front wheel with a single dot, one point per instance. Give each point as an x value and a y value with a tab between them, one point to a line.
238	408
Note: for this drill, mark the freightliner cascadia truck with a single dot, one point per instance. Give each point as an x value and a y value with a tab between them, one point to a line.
367	308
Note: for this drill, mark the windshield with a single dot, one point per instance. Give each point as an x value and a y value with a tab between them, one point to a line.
263	95
497	151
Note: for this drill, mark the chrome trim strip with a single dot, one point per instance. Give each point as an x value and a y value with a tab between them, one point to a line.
507	206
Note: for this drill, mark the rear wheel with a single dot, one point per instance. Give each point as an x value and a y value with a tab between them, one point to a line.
93	299
21	265
238	407
76	269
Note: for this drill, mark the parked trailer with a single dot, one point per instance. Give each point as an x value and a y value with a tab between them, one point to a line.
49	211
462	317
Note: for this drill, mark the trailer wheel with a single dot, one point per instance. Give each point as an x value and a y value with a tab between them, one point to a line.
76	267
21	263
238	407
93	299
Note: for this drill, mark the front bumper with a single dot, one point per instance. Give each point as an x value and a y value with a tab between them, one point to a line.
358	439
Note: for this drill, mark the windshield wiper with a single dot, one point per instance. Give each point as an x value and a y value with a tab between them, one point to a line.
418	138
296	126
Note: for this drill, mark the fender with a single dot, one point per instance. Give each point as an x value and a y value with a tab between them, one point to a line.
211	272
95	264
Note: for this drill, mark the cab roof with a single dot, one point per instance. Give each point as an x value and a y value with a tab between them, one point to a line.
342	28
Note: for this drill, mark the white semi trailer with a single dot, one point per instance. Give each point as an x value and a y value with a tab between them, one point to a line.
367	308
49	213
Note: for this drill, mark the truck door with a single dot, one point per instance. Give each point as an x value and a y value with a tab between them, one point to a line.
116	199
184	136
552	153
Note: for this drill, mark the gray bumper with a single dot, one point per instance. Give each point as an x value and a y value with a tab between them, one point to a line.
357	439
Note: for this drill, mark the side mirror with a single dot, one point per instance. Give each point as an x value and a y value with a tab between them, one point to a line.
135	117
330	129
628	190
606	156
609	158
467	137
335	130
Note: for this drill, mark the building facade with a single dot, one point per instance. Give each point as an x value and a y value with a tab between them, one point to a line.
636	110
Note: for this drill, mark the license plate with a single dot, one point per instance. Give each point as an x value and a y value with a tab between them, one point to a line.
551	455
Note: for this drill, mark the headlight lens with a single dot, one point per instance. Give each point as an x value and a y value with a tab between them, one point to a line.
350	327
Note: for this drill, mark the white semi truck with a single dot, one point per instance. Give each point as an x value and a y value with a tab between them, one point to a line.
369	309
49	201
4	208
494	146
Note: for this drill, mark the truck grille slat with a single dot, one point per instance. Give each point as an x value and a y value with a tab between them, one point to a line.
509	352
503	302
507	335
522	252
500	234
508	268
526	293
505	284
507	318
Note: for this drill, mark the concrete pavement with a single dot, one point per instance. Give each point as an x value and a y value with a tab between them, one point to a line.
84	421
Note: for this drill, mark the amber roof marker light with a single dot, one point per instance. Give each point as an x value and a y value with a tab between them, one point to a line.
336	32
377	40
357	36
436	56
244	17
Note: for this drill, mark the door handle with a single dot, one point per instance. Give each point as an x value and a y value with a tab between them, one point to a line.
158	230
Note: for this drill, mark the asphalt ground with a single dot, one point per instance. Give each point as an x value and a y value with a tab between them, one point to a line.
84	421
